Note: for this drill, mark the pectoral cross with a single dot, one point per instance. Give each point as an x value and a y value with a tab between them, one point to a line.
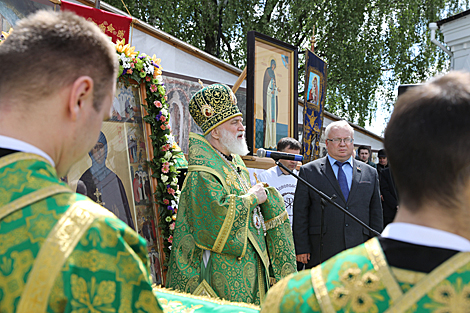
98	195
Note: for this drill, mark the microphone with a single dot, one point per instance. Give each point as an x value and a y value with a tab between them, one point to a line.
278	155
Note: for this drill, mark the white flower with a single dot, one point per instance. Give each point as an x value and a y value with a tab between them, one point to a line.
164	178
164	112
159	79
175	180
168	155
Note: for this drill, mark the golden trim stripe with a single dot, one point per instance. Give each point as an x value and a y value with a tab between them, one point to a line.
262	254
262	281
275	296
321	292
21	156
377	258
247	226
226	227
58	246
430	281
276	221
407	276
202	168
31	198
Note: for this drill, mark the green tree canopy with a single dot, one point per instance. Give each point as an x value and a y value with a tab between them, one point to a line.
370	46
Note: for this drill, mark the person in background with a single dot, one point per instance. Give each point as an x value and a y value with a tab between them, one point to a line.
365	155
383	162
279	178
421	263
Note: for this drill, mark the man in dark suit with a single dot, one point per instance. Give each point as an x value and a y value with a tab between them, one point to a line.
356	187
389	195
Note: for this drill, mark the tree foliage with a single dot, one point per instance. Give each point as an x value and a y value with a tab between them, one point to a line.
370	46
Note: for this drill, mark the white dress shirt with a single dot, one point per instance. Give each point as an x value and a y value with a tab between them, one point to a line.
425	236
19	145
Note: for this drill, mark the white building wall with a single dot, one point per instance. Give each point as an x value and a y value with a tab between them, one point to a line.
457	38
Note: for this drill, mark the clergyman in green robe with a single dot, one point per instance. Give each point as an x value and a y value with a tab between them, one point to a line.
60	251
230	237
421	262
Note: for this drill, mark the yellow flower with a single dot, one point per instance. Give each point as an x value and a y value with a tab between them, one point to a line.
5	35
158	69
120	45
129	51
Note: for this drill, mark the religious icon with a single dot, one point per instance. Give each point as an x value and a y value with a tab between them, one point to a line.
270	105
272	68
103	186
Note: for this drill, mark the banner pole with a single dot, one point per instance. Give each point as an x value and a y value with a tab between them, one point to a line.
239	81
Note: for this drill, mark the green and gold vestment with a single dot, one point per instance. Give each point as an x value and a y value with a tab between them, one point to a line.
61	252
216	214
360	280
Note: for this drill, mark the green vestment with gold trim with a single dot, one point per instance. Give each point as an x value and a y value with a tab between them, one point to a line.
216	214
360	280
61	252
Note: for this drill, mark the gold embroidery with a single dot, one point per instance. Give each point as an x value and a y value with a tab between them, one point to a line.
92	297
127	272
429	282
276	221
226	227
31	198
406	276
358	290
202	168
320	289
12	238
147	301
20	156
204	289
377	258
275	296
450	298
12	281
231	178
56	249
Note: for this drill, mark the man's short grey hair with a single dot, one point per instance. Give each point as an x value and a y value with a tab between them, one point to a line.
339	124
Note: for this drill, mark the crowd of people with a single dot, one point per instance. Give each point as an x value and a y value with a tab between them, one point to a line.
62	252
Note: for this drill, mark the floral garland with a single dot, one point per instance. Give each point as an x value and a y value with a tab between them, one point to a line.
145	69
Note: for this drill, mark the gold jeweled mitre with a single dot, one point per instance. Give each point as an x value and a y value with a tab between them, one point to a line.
212	106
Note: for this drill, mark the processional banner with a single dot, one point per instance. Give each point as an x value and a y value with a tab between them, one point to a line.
314	101
113	25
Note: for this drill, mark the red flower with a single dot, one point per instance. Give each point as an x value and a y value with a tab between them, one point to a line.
166	167
170	239
162	118
153	88
147	78
162	127
157	103
166	201
129	71
171	191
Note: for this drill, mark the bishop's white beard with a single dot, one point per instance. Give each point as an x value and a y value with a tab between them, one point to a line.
232	143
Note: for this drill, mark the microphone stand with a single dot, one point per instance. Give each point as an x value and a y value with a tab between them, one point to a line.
329	200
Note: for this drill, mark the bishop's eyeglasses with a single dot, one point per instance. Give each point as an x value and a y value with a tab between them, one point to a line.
337	141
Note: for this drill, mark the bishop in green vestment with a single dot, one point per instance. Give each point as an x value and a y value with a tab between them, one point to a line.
230	237
421	262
